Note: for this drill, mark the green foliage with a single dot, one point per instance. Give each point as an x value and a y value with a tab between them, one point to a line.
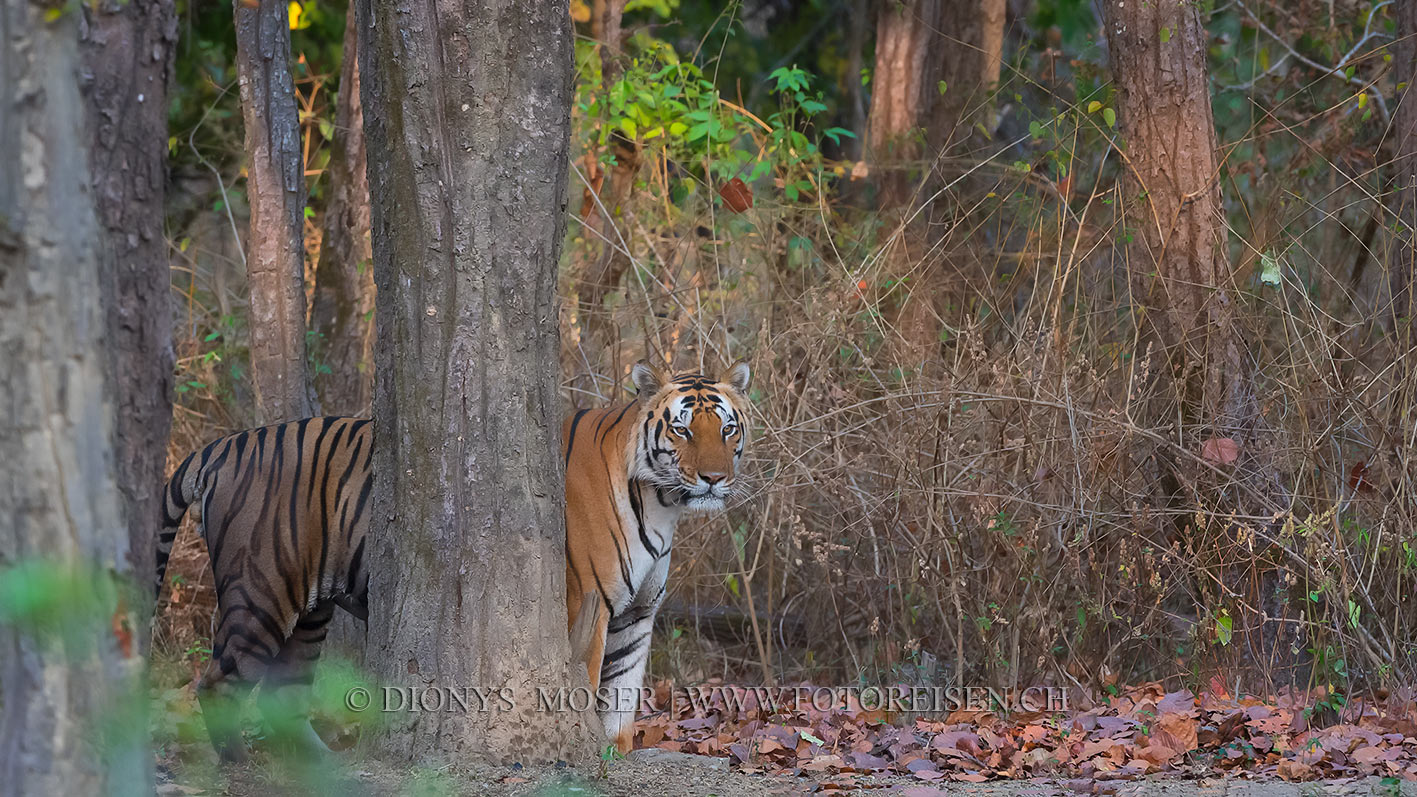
58	603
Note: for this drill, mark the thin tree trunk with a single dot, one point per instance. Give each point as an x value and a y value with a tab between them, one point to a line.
903	81
275	191
469	136
1402	269
62	530
1173	200
859	27
1183	282
602	275
343	303
127	49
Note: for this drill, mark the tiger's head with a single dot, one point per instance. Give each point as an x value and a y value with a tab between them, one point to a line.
692	433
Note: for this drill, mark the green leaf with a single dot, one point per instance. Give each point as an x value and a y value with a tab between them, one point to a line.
630	128
1224	627
807	737
1035	129
942	86
1094	106
1109	116
1354	612
1165	35
731	582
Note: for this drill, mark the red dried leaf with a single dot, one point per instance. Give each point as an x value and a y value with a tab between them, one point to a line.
736	195
1220	450
1358	479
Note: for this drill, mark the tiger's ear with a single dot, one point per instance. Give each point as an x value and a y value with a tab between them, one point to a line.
648	379
736	376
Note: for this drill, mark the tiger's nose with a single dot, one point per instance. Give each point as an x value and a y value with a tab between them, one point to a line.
712	478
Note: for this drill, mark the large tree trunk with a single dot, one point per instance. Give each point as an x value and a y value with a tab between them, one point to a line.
971	56
1402	269
344	279
127	50
275	191
69	670
469	136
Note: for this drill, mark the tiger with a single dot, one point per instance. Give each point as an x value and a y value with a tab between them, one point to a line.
631	472
284	512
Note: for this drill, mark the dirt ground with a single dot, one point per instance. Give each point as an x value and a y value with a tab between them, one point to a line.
696	776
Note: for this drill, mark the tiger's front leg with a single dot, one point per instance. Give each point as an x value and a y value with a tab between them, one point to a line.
622	667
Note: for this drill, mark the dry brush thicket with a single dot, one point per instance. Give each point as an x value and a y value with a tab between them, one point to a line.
953	477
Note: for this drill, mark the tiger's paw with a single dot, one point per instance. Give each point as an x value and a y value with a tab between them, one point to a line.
625	739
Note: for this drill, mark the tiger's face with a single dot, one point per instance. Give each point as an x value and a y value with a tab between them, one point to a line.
693	429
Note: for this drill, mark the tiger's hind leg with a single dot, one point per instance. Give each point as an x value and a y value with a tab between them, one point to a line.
240	657
285	692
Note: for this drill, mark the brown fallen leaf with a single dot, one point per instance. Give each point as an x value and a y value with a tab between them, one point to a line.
1292	770
1158	754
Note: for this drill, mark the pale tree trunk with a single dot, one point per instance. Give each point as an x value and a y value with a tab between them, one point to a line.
275	192
469	136
68	674
127	50
1402	269
343	302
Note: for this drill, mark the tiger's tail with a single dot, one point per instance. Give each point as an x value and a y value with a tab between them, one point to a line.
180	493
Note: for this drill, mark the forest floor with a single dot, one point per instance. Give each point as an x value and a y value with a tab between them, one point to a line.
694	776
732	740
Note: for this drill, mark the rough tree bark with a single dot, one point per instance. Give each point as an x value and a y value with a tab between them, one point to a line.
275	192
61	515
344	277
469	136
127	49
1403	268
